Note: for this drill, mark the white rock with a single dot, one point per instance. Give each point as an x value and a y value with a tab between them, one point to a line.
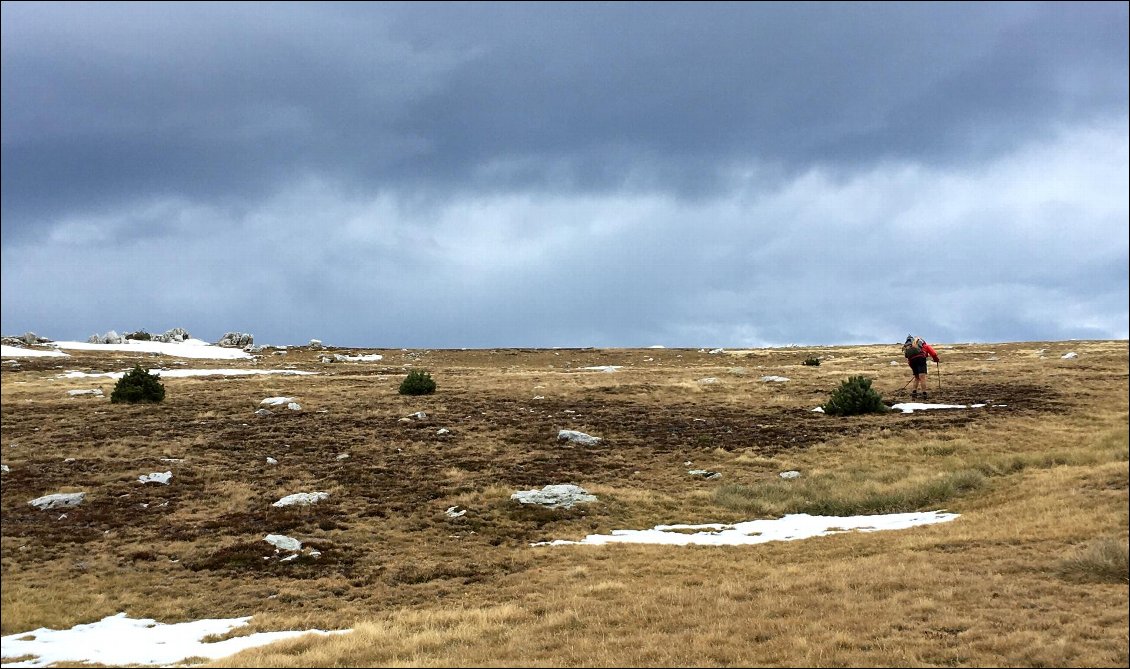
452	513
283	542
1069	356
578	437
301	499
775	379
704	474
792	474
272	461
276	401
294	406
59	500
555	496
156	477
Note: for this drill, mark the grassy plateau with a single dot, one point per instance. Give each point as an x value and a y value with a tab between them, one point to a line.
1033	573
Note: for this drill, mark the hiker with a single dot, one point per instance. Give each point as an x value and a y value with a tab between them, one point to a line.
916	349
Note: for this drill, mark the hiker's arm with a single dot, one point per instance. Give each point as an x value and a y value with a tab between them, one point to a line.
930	351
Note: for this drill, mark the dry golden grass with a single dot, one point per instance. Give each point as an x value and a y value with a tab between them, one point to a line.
1033	573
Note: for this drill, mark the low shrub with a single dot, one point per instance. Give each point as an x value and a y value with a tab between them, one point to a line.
812	362
138	385
855	396
418	382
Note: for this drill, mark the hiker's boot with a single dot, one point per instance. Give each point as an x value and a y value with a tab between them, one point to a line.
925	395
914	394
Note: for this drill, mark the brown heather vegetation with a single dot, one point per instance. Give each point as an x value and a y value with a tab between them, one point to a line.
1032	574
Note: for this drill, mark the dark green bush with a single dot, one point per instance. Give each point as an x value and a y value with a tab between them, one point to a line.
812	362
138	385
854	396
418	382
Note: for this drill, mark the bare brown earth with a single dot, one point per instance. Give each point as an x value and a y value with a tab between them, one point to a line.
195	548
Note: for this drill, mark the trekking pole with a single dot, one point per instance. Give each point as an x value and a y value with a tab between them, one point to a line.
938	367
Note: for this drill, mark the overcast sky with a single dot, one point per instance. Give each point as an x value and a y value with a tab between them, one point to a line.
557	174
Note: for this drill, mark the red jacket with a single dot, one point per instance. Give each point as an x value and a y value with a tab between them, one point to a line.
927	350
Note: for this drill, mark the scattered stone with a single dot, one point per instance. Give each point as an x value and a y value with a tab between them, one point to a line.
316	344
704	474
236	340
4	469
1069	356
453	512
156	477
172	336
419	415
791	474
272	461
301	499
262	412
343	456
276	401
294	406
775	379
578	437
283	542
442	431
96	392
110	337
555	496
61	500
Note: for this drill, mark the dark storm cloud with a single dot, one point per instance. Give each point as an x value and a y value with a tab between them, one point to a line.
104	102
566	174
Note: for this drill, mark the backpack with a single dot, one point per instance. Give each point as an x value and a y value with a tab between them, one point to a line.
913	348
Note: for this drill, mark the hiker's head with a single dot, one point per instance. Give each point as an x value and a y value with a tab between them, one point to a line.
909	338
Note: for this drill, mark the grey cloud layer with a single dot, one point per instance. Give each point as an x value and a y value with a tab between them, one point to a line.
568	173
230	101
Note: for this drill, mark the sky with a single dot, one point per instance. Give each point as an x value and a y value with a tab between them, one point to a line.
450	175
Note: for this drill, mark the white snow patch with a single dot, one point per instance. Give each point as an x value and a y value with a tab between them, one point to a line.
121	641
17	352
189	348
788	528
184	373
911	407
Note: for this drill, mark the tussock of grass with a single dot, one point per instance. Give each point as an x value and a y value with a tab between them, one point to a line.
1108	447
849	495
1102	561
